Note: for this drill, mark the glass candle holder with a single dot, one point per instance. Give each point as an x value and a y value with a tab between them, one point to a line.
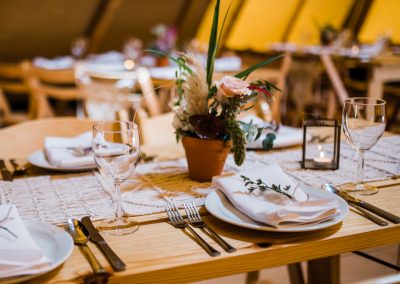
321	144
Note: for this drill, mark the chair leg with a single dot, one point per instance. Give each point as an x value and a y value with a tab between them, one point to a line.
296	273
252	277
398	255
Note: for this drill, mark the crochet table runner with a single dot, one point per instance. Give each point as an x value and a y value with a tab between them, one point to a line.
54	200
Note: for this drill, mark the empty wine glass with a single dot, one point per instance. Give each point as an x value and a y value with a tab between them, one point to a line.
116	148
363	123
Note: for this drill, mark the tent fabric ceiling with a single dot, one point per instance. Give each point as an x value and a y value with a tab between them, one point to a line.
46	27
31	28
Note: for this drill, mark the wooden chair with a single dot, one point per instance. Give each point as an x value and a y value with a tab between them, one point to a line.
104	89
56	84
156	130
12	83
158	136
29	136
150	99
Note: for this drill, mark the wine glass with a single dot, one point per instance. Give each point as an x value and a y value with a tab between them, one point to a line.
116	148
363	123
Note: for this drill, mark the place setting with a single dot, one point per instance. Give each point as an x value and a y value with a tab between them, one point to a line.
65	154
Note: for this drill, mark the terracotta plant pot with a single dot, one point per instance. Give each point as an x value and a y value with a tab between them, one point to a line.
206	158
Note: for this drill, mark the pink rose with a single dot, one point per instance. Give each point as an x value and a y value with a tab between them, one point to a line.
231	86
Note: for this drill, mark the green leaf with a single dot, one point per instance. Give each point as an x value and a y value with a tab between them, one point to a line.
178	61
212	45
268	141
259	132
245	73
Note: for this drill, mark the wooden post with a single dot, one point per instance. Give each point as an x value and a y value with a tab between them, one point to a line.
324	270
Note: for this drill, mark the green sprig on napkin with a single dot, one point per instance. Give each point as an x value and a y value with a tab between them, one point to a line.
262	186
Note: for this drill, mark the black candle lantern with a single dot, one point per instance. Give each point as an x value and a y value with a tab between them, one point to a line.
321	144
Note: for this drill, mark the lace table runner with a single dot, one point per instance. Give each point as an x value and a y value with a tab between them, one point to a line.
56	200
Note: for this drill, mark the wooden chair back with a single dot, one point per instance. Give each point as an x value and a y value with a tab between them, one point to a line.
150	99
18	141
13	83
46	83
156	130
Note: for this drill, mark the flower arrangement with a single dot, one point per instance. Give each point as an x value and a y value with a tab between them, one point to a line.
165	38
208	110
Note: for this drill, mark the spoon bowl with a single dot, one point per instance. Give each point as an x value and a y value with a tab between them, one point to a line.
77	231
80	235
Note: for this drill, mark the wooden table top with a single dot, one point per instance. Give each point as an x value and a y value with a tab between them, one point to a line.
157	252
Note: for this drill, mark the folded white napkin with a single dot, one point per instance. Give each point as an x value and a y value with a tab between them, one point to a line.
273	208
67	152
19	256
63	62
285	136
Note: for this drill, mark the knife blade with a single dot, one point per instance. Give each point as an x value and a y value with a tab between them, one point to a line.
94	236
368	206
5	173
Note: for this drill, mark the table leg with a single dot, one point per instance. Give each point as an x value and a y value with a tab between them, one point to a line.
324	270
295	273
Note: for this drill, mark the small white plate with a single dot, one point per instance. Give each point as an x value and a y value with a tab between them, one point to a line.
38	159
219	206
54	242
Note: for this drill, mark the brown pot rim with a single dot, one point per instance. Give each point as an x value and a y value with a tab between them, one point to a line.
194	142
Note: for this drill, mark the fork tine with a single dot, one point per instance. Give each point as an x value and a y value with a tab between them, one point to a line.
188	213
167	207
176	212
195	212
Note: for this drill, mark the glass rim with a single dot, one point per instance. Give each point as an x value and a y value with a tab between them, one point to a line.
365	101
133	125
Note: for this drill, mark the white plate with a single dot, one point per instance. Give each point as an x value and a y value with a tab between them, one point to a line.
54	242
219	206
38	159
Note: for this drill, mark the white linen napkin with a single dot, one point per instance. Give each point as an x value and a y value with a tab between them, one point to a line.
58	63
19	256
60	151
273	208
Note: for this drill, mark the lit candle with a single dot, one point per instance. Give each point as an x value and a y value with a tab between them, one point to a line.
129	64
322	158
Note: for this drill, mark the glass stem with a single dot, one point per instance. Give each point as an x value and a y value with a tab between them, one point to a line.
117	200
360	169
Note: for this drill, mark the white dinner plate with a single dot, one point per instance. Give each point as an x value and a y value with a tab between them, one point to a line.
219	206
38	159
54	242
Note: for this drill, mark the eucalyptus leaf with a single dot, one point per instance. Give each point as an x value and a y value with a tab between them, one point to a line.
268	141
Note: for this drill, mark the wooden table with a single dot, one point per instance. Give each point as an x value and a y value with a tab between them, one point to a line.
159	253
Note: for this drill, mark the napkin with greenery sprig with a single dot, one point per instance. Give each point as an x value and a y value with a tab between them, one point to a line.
266	194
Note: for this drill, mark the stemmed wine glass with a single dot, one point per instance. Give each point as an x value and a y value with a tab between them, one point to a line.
363	123
116	148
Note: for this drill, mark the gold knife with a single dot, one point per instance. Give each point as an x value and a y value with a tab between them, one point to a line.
94	235
378	211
